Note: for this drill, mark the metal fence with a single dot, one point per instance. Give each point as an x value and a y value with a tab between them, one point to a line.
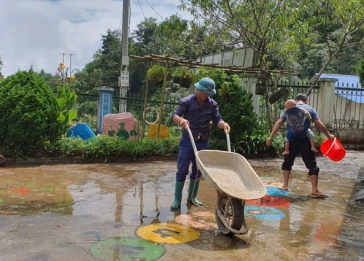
348	106
348	109
289	91
136	103
87	111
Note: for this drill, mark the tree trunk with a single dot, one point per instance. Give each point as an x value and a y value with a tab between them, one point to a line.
315	78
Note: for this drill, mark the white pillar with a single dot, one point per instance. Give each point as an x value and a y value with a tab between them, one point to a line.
249	84
325	107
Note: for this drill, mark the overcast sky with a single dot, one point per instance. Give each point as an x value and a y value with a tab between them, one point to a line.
36	32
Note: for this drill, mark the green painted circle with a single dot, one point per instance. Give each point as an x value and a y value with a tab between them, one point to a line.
127	248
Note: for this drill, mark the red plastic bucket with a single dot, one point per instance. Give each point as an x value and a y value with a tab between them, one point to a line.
333	149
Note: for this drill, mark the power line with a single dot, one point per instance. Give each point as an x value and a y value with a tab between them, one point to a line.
154	10
141	9
121	19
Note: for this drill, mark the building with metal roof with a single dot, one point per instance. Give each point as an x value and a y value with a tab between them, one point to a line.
347	86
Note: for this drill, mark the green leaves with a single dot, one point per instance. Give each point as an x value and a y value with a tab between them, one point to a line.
28	116
109	147
66	100
360	71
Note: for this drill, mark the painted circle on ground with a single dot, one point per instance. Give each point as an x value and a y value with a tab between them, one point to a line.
168	233
272	183
274	191
270	201
21	191
198	220
264	213
126	249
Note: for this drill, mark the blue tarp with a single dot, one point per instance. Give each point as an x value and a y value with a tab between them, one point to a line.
81	130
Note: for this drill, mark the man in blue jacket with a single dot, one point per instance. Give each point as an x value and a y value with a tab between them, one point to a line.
195	112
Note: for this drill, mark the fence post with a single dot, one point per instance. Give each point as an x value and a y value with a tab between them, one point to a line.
104	105
325	107
250	85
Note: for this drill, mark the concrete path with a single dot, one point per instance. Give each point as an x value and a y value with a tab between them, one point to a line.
121	212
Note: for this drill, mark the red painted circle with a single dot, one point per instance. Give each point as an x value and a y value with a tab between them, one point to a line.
270	201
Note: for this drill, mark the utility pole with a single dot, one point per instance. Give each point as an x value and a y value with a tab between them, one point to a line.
123	82
62	69
64	75
71	64
63	54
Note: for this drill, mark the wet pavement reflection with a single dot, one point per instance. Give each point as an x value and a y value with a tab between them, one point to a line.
122	212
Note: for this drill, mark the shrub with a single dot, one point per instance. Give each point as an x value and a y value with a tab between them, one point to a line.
105	146
236	108
28	117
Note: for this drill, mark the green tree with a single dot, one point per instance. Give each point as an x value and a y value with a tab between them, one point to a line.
360	72
236	108
104	70
175	37
1	66
52	80
278	30
269	27
29	112
338	24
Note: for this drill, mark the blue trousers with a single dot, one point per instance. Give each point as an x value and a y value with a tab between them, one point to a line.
186	155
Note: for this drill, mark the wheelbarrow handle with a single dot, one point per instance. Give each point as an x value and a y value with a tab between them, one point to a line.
194	145
228	141
192	140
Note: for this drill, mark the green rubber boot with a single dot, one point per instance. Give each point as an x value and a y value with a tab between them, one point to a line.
192	192
178	195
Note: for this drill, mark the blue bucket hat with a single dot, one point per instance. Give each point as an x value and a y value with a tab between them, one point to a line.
206	85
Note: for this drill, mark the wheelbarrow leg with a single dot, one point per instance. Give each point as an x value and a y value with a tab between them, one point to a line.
192	192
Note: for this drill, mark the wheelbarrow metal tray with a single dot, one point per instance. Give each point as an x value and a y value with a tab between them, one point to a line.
231	173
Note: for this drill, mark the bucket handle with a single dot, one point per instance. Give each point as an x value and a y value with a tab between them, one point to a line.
332	145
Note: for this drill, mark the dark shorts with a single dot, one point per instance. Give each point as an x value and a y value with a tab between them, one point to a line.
301	146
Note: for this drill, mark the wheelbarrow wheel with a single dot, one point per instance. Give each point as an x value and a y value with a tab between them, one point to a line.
230	215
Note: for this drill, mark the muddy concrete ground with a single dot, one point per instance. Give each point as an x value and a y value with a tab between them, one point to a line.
122	212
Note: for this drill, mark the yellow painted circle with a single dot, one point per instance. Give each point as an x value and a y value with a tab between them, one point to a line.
168	233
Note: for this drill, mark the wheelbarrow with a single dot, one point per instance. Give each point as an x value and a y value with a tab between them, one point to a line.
235	182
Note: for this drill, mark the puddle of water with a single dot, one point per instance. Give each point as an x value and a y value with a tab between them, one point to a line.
141	193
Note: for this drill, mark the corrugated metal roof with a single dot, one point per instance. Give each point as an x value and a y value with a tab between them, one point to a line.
344	82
